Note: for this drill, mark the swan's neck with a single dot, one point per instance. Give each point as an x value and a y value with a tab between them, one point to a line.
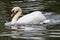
14	19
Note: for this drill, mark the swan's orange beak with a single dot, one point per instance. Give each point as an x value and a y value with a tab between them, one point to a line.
12	13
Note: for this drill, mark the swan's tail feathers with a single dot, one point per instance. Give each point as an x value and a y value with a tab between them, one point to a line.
46	21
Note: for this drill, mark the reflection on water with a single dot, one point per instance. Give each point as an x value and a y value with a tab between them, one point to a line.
27	8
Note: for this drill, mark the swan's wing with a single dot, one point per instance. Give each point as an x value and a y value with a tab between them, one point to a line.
34	17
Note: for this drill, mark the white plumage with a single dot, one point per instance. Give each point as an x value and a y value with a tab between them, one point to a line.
32	18
35	17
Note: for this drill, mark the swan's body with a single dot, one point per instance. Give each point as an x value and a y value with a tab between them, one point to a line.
32	18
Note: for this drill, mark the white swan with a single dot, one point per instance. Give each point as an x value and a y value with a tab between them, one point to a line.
32	18
35	17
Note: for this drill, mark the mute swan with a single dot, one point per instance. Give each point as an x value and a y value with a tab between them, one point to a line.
32	18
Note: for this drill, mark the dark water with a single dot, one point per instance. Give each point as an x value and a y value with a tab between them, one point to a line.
28	6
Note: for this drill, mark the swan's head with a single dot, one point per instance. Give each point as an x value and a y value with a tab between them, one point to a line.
15	10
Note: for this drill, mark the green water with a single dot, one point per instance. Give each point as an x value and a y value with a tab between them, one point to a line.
47	6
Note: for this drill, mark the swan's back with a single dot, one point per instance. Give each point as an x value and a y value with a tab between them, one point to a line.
34	17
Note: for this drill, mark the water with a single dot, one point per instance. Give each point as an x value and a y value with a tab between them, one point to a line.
28	6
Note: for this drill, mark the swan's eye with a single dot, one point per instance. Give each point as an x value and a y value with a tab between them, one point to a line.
12	12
